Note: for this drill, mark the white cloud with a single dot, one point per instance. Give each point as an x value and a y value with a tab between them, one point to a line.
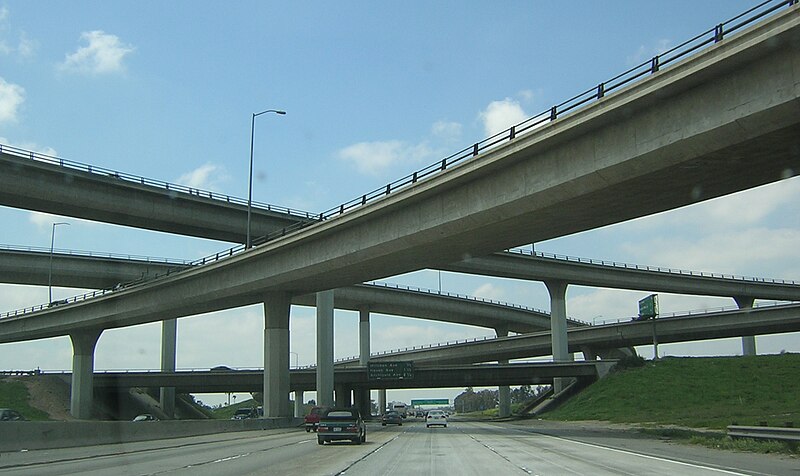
761	250
375	158
646	52
29	146
26	46
394	333
501	115
490	291
44	221
447	132
11	98
102	55
205	177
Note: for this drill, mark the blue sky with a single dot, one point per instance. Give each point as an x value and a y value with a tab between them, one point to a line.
372	90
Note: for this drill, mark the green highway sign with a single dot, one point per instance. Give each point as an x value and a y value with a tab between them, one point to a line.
430	401
390	370
648	307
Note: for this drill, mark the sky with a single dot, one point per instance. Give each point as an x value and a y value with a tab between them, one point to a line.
373	91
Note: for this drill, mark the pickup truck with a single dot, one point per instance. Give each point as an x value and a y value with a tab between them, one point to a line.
312	419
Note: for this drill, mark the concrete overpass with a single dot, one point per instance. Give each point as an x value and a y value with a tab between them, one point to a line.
76	270
39	182
355	378
91	271
716	325
722	120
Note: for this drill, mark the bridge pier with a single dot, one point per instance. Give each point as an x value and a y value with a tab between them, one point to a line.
361	399
748	342
503	391
169	337
81	399
558	326
362	396
363	337
325	348
343	396
276	354
381	402
298	404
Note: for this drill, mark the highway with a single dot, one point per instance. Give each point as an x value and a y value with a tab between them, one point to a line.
463	448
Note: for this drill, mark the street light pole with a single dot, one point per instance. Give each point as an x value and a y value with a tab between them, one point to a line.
296	359
248	242
50	272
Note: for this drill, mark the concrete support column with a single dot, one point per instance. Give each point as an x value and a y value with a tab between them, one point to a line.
503	391
748	342
363	337
343	396
361	396
276	354
298	404
362	401
558	326
169	340
81	398
325	348
381	402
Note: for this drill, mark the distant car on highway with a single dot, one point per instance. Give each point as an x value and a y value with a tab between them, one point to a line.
436	417
244	414
393	418
7	414
145	417
339	423
312	419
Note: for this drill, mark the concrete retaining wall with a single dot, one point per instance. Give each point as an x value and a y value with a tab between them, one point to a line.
30	435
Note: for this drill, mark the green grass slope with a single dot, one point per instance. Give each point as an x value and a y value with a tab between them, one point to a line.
15	395
696	392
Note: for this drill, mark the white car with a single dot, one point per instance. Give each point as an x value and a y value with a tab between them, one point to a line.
436	417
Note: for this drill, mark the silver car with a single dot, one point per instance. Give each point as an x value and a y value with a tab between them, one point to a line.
436	417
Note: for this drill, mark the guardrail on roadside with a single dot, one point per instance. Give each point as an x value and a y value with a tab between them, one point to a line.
764	432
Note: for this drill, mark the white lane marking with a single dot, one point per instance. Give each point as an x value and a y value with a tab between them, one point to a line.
230	458
656	458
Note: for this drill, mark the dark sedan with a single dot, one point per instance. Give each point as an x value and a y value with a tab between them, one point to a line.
392	418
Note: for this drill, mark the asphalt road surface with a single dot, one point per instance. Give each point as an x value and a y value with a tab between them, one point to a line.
463	448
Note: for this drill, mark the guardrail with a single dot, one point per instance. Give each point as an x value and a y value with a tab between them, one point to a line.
572	105
658	269
765	432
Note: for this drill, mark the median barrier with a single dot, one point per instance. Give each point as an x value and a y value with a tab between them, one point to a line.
34	435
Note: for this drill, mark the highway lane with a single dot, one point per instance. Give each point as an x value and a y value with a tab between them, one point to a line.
463	448
472	448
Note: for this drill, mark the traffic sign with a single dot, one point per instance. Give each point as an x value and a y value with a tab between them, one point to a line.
390	370
430	401
648	307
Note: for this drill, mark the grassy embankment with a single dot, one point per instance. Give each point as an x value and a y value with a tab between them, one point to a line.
697	393
15	395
